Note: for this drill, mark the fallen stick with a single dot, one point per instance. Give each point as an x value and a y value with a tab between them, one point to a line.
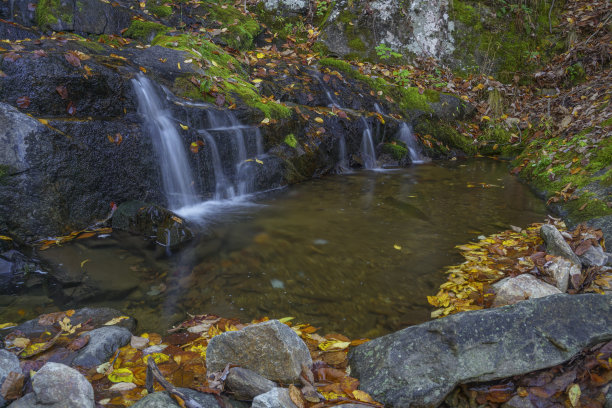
153	374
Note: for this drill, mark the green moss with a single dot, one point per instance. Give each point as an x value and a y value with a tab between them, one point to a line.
242	29
586	207
161	11
145	31
94	46
4	172
291	140
357	44
445	137
396	150
496	141
45	13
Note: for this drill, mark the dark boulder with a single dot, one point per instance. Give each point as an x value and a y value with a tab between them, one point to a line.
420	365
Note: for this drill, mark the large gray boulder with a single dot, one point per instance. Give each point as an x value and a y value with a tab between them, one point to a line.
103	343
58	386
556	245
594	256
420	365
8	363
270	348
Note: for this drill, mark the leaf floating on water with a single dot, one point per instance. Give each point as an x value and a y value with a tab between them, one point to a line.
399	248
116	320
6	325
84	262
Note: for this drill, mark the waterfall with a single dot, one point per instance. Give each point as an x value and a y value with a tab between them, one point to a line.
406	136
176	175
246	143
343	161
368	152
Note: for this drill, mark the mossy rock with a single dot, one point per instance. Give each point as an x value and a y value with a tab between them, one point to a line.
161	11
397	151
52	14
145	31
241	29
446	138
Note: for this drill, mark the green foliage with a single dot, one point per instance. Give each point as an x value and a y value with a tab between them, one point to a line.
145	31
161	11
446	137
384	52
397	150
291	140
575	73
242	29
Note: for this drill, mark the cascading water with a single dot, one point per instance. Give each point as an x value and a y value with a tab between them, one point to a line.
343	161
223	188
406	136
368	152
176	175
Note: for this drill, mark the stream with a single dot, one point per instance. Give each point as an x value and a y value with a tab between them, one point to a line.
355	253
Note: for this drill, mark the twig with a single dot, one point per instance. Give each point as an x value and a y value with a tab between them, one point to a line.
599	28
153	374
549	16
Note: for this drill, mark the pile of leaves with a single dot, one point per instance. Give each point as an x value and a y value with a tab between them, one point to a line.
180	359
507	254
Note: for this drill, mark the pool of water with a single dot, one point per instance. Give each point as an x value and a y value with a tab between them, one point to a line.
355	253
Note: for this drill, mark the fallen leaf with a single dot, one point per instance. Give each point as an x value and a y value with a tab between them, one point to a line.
183	126
574	395
116	320
78	343
73	59
296	396
62	91
23	102
12	386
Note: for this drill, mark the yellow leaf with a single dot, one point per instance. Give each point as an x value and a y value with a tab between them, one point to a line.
116	320
143	69
178	64
84	262
286	319
5	325
258	161
256	81
21	342
318	120
485	118
265	121
188	61
260	55
5	238
43	121
183	126
214	63
157	357
362	396
399	248
334	345
121	375
574	395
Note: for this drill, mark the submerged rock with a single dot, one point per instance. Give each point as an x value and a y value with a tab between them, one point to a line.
58	386
509	291
154	221
271	349
420	365
276	398
556	245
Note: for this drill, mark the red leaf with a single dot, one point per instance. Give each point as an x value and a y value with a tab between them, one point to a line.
78	343
23	102
62	91
71	109
72	59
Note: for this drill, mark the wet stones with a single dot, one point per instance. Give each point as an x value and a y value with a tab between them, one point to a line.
275	398
57	385
420	365
103	343
246	384
512	290
271	349
556	245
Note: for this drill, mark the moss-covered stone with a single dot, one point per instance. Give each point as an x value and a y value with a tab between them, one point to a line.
145	31
241	28
161	11
395	149
4	172
93	46
442	138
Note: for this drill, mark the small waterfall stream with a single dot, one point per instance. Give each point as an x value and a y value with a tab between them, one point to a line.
177	178
406	136
368	152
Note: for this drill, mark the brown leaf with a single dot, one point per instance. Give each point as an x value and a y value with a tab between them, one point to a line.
13	386
296	396
62	91
71	109
50	318
78	343
73	59
23	102
583	247
12	57
39	54
220	99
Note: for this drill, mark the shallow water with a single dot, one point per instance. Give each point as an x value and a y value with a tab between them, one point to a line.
355	253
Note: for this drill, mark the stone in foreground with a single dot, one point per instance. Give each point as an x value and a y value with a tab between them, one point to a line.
246	384
556	245
271	349
420	365
276	398
512	290
57	385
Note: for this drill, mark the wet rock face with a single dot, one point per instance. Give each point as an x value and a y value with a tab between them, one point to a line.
509	291
420	365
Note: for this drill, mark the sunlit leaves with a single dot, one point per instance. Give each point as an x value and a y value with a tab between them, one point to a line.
121	375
